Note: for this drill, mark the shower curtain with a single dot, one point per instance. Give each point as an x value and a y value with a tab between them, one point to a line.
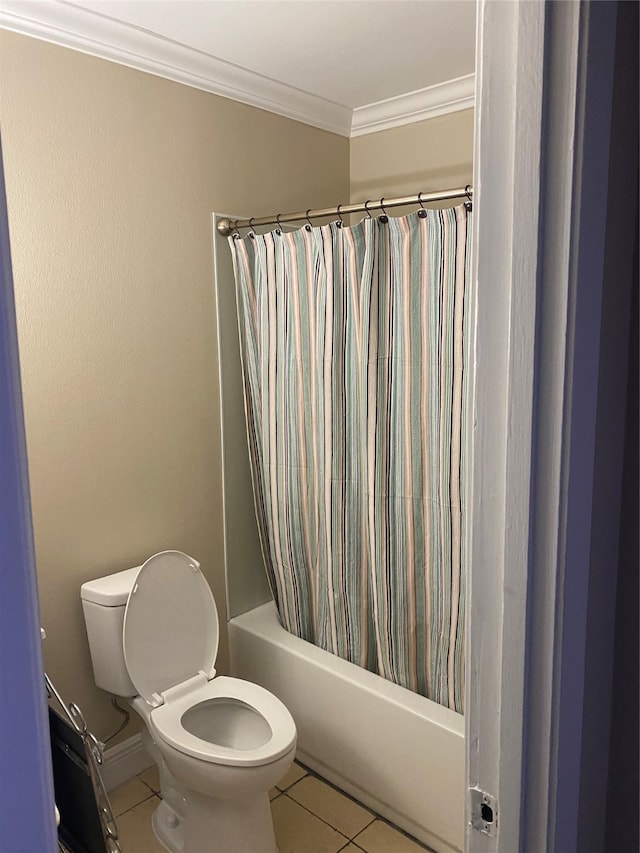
354	346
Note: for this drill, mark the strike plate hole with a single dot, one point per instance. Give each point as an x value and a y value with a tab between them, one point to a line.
487	813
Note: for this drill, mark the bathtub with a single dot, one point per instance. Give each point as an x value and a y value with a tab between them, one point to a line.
392	750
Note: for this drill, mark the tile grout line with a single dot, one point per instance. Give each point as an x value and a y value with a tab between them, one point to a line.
374	815
283	790
397	829
135	806
346	837
351	841
314	775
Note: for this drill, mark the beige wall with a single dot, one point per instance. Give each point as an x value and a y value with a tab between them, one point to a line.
111	178
426	156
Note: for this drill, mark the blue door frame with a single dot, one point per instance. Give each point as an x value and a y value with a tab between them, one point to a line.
27	823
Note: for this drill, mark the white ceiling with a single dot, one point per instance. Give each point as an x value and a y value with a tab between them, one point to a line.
351	66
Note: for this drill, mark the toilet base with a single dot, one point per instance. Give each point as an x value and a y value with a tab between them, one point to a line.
228	826
168	827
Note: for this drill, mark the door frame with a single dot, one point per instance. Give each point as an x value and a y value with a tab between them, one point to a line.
542	198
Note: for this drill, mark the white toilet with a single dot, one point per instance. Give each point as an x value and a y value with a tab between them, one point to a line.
220	743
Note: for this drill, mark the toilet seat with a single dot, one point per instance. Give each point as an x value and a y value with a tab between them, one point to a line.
170	629
170	640
167	721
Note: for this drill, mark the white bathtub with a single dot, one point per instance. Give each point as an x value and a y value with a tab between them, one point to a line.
393	750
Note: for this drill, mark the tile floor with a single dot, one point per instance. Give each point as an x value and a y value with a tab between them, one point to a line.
309	816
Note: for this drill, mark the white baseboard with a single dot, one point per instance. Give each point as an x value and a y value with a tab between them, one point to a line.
124	761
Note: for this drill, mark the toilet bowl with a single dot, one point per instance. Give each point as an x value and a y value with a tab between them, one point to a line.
220	743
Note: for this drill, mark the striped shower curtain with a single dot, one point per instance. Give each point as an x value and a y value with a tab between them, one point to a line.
354	346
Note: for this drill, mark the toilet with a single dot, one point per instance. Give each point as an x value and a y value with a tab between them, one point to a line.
220	743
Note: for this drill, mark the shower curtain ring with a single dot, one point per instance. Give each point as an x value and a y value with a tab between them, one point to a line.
468	205
279	228
422	212
366	207
308	227
341	223
384	217
252	230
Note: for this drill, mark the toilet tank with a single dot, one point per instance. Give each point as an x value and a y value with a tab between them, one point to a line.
103	602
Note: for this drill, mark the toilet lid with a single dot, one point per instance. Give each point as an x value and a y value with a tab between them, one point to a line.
170	630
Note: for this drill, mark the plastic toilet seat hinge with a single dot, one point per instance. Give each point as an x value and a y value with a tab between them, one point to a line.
181	689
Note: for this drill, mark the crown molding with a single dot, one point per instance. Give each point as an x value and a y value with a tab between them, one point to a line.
438	100
81	29
75	27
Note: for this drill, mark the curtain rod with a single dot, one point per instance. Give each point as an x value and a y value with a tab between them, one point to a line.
226	227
